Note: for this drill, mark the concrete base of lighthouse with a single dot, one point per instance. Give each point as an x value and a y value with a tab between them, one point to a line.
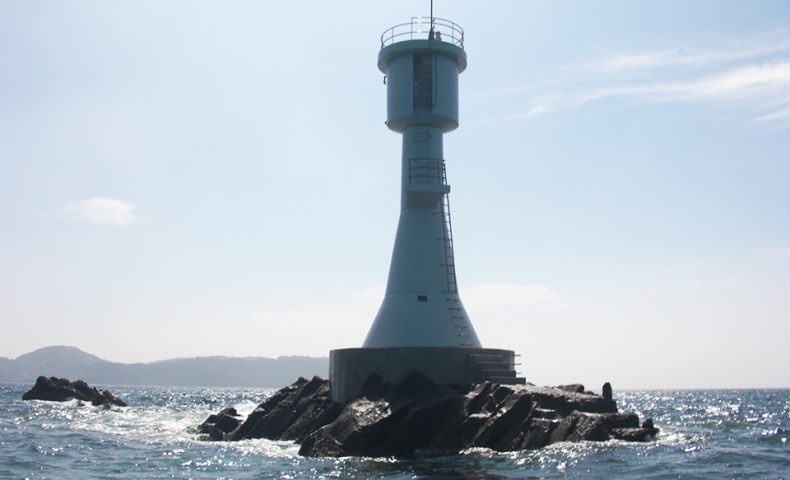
350	367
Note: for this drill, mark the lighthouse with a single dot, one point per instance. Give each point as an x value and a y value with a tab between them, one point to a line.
421	307
421	324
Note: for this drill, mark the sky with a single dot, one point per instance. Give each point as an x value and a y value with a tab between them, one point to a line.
189	178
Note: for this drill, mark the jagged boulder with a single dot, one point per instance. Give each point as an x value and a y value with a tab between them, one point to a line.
290	414
416	417
220	424
60	390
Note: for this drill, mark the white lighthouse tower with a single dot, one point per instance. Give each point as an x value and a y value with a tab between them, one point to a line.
422	324
421	307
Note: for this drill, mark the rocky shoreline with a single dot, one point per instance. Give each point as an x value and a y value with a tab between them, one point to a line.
416	417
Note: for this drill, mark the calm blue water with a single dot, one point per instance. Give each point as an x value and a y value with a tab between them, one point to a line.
705	434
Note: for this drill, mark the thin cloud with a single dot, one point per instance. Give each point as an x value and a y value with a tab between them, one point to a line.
752	79
767	79
100	211
764	85
620	63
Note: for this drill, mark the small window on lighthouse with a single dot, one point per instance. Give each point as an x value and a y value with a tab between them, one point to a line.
422	298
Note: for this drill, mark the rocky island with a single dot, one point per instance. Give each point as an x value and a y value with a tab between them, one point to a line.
61	390
417	417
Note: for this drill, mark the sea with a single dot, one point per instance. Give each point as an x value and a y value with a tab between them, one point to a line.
704	434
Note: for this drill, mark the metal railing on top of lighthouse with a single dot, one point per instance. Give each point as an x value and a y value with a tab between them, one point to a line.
421	28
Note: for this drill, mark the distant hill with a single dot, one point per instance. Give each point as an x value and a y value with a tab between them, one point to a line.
74	364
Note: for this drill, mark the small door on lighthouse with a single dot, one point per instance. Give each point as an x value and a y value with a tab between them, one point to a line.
423	82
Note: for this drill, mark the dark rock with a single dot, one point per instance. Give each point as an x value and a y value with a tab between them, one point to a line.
478	397
229	411
362	424
565	402
227	423
415	384
291	413
589	426
60	390
500	393
625	426
422	423
606	391
416	417
462	435
106	399
219	425
315	416
226	411
499	432
545	413
574	387
632	434
373	387
564	428
264	408
621	420
537	434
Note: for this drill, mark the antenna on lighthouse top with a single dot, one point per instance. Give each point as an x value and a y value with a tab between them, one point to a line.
432	24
